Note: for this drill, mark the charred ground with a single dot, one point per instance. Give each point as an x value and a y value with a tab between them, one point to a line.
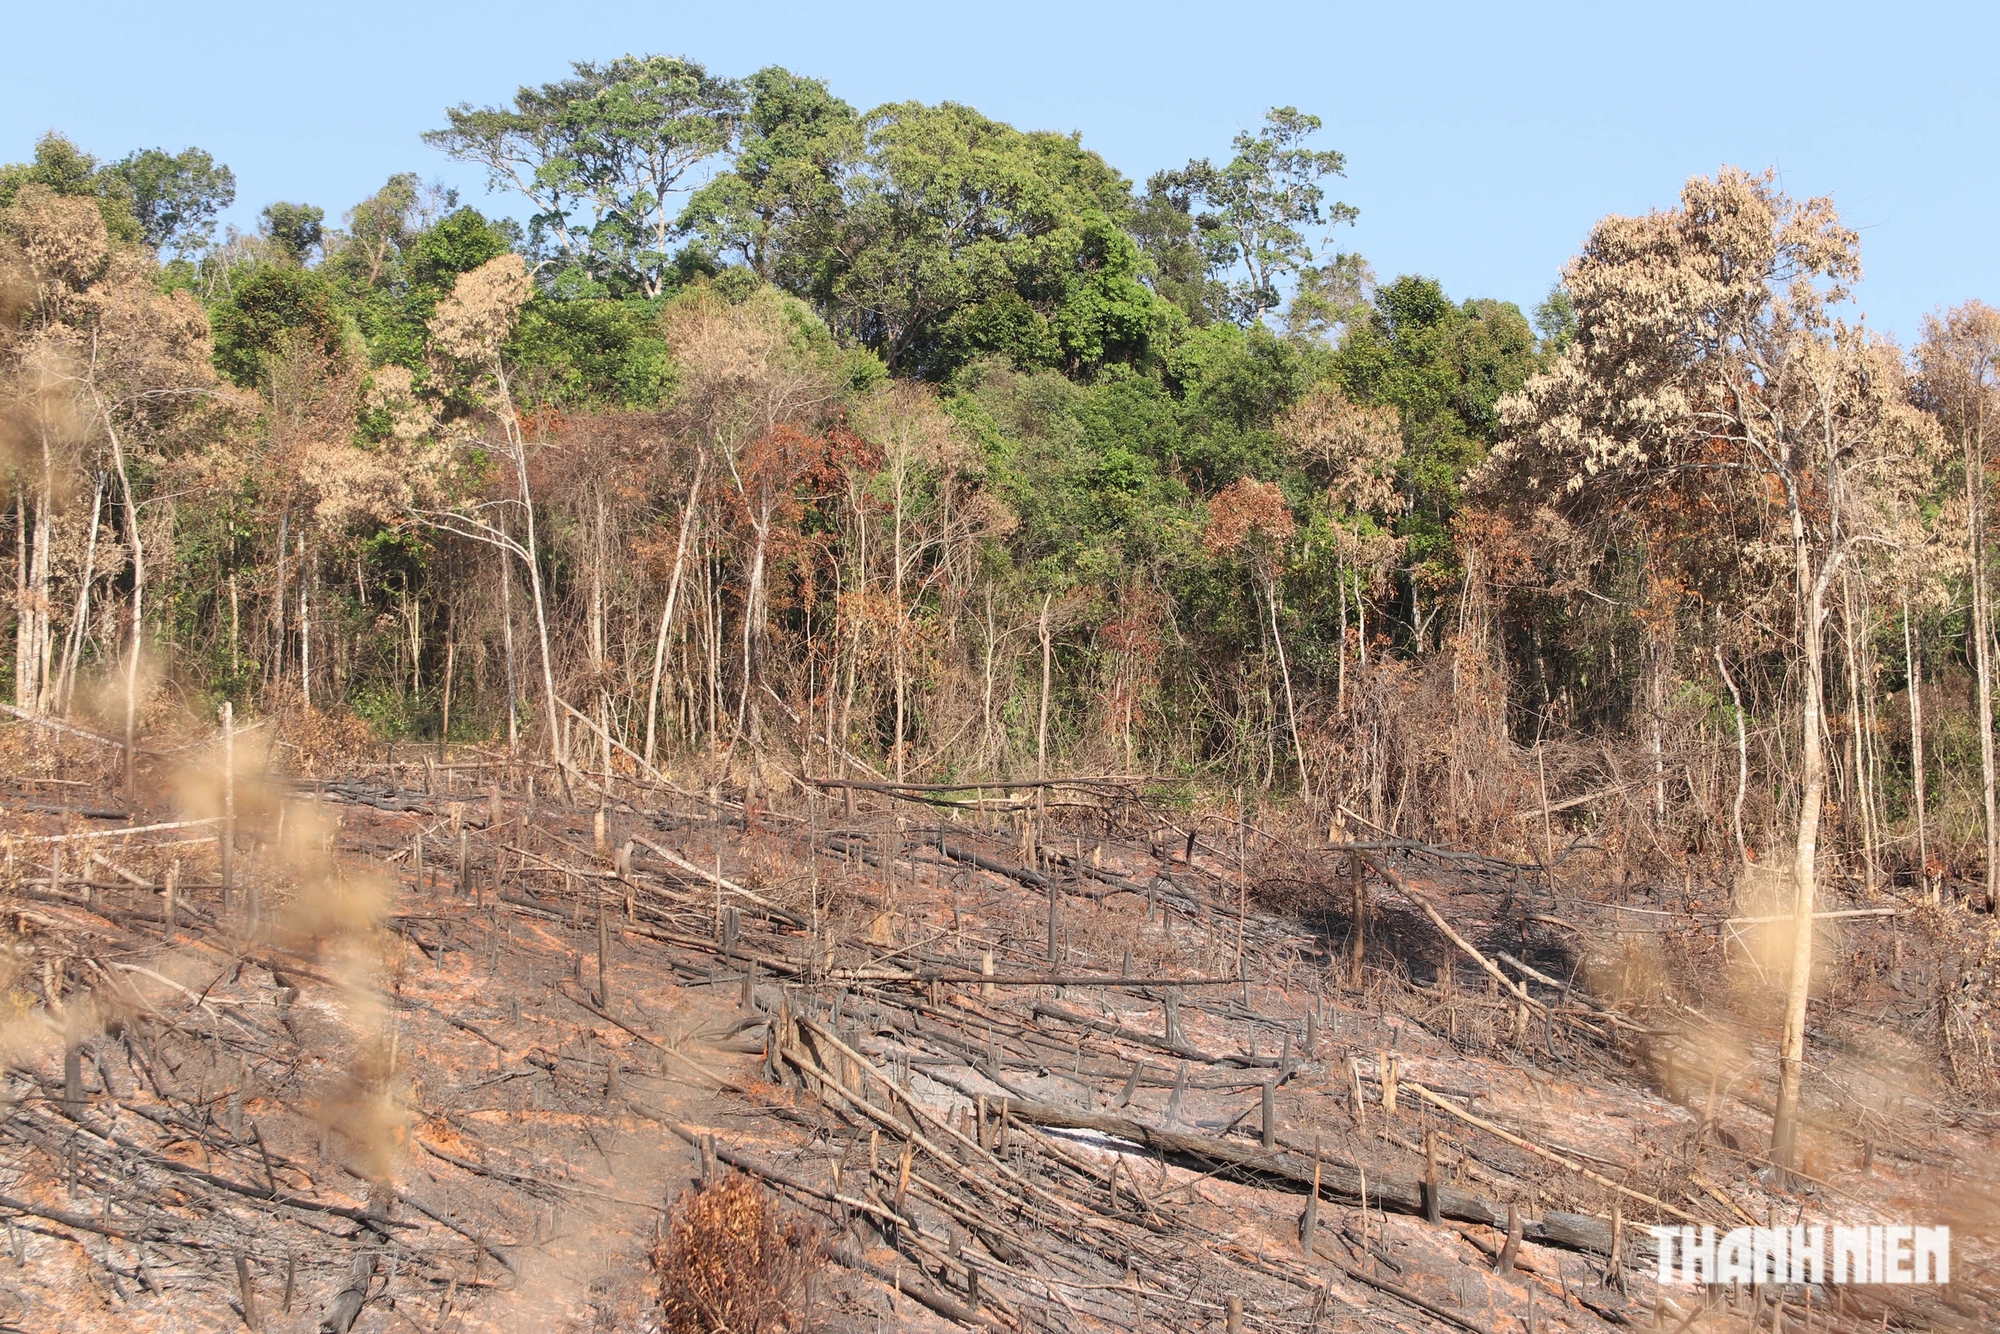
469	1035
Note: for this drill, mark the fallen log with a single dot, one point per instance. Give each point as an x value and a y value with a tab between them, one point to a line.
1289	1169
849	1257
1402	886
1180	1049
1446	1105
680	863
964	977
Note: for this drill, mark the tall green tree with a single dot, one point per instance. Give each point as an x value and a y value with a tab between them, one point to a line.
70	172
1184	249
174	197
59	164
777	207
1443	366
395	264
955	235
602	156
265	311
378	230
1261	207
294	230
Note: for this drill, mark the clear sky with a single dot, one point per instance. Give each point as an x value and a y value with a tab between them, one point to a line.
1482	139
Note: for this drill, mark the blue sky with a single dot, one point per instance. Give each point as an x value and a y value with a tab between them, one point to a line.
1482	142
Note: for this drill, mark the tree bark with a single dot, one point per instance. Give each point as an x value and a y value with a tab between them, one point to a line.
31	586
1340	653
1914	684
898	468
1291	707
305	626
667	611
1742	757
31	668
749	708
138	623
23	622
1811	595
450	665
80	618
507	645
1982	654
1851	648
986	733
1042	725
510	423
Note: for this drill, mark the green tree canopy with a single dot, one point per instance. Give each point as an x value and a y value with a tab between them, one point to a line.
1443	366
273	303
776	206
953	235
394	268
67	170
601	156
1261	205
295	230
174	197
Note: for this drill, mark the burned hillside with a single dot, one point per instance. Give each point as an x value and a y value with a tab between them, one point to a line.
464	1043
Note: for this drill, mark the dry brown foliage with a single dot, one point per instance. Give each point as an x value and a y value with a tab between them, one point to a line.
321	742
731	1262
472	322
1353	449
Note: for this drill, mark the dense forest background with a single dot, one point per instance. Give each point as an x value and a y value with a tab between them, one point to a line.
788	438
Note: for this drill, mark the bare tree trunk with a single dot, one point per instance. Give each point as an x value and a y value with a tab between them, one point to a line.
226	845
507	646
1856	705
23	623
1042	726
80	619
597	655
712	610
542	630
276	638
305	627
1360	623
854	648
1291	708
1340	655
32	596
534	562
32	672
1656	708
138	594
667	611
1871	730
450	663
1913	676
601	659
413	626
1982	656
847	699
749	708
1812	795
897	473
1742	757
835	762
986	734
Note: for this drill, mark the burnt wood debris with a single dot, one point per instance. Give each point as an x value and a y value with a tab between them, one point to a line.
455	1040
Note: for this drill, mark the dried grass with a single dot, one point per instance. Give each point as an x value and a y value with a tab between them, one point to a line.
731	1262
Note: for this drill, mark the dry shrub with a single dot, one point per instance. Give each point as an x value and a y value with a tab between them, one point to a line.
731	1262
320	742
